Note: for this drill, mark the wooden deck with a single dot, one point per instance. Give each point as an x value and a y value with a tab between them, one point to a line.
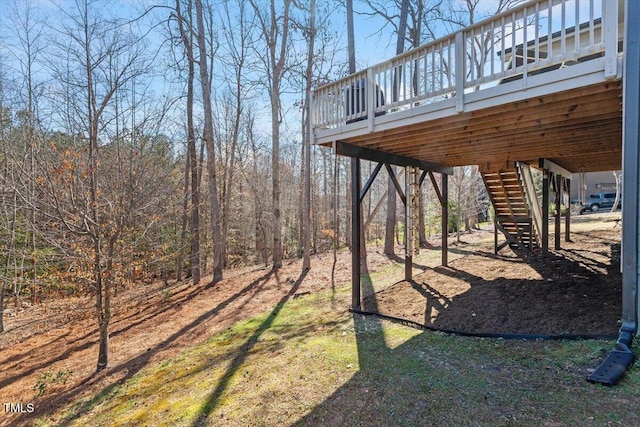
564	104
580	130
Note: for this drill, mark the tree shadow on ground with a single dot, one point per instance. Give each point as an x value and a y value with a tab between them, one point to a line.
428	379
397	258
241	355
125	370
150	308
570	291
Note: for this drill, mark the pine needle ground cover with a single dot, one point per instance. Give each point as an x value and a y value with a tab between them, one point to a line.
308	362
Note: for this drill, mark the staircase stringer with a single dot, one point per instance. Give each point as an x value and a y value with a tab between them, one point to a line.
513	219
529	190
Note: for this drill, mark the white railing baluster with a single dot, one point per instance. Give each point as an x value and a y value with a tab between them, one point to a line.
550	54
610	34
425	76
459	70
525	45
514	47
483	57
450	66
503	61
536	37
467	60
403	81
577	30
591	27
563	30
492	52
370	86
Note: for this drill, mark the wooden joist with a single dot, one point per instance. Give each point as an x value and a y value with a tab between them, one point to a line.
579	129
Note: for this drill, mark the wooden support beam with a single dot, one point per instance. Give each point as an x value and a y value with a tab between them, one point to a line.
423	176
567	212
532	198
396	184
435	187
495	234
412	244
445	220
510	238
408	226
556	169
556	229
372	178
351	150
355	234
545	212
375	210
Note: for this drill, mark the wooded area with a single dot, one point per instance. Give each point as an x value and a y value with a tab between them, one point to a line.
172	142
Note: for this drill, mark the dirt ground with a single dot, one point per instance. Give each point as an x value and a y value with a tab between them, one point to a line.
575	290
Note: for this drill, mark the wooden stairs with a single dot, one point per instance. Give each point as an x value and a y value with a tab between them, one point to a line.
513	216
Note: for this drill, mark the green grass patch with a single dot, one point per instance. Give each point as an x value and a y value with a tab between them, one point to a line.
310	362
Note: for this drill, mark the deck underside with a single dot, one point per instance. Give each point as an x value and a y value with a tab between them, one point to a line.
579	129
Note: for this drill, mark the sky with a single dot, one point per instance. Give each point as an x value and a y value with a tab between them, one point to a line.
372	46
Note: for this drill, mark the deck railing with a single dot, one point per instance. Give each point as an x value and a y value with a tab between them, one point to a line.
537	36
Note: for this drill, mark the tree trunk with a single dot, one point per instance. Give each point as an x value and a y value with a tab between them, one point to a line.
205	83
306	202
275	180
616	202
194	260
103	317
275	28
94	229
194	163
185	219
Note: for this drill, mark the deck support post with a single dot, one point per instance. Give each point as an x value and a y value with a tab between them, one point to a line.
558	216
445	219
567	212
355	233
545	212
495	233
408	223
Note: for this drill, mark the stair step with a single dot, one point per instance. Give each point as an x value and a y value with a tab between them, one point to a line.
510	205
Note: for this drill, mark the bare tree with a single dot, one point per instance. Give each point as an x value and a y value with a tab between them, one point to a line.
77	176
236	32
618	180
418	14
309	29
205	83
186	35
274	27
28	43
455	15
8	201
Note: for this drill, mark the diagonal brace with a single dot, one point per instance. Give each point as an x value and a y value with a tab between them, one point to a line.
372	178
396	184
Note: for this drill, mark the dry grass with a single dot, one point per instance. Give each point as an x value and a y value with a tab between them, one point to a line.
305	360
304	363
